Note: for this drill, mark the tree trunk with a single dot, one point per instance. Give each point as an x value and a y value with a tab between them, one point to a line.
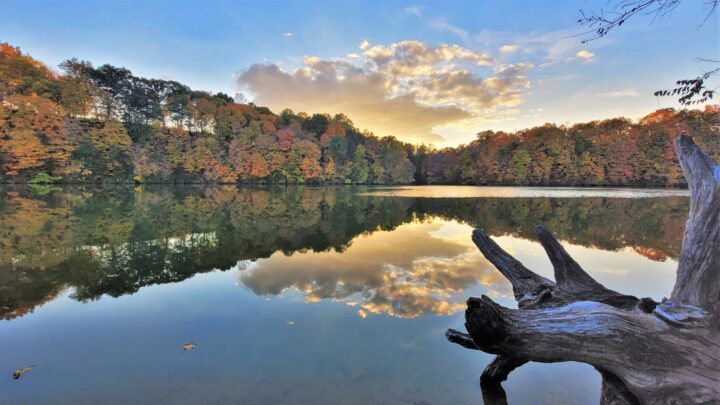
646	352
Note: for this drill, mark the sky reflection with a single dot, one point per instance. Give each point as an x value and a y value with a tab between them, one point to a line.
429	267
512	192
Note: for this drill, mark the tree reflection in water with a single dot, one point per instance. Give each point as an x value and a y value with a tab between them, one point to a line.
115	241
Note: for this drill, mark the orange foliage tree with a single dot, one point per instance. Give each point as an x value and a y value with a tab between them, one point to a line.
33	135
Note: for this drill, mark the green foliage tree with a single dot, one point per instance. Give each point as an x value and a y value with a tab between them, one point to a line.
360	169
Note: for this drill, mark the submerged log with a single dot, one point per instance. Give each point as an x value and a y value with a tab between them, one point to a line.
646	352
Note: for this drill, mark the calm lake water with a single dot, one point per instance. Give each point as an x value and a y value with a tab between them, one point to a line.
295	295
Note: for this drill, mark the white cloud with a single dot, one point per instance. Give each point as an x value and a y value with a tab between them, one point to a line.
364	44
509	48
288	34
585	56
542	48
407	89
415	10
619	93
409	56
442	25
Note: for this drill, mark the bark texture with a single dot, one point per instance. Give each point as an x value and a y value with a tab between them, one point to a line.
647	352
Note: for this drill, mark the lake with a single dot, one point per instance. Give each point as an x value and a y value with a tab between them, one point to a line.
295	295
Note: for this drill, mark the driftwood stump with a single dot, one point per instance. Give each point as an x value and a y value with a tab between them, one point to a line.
646	352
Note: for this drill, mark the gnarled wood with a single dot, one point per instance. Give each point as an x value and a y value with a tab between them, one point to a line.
698	277
646	352
495	373
460	338
498	371
528	287
614	391
568	274
573	282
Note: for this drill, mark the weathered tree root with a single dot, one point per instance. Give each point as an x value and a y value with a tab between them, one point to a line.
646	352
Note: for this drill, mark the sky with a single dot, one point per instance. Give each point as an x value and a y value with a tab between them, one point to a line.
432	72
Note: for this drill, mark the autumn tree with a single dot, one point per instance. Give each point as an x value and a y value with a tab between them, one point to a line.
104	152
20	74
33	135
229	120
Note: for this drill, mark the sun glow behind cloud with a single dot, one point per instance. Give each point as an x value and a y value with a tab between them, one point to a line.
409	89
454	82
567	82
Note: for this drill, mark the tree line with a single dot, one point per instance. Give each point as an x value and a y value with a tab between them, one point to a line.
104	124
612	152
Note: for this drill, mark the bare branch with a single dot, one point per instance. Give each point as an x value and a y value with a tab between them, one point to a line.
689	91
498	371
495	373
527	286
602	22
573	283
568	274
460	338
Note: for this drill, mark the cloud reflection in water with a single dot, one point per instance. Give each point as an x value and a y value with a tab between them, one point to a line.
419	268
428	267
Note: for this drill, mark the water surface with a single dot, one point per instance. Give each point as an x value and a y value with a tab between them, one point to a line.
294	295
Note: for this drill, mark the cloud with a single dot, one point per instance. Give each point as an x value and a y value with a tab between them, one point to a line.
323	86
406	89
414	10
415	59
288	34
364	44
619	93
442	25
509	48
543	48
425	272
585	56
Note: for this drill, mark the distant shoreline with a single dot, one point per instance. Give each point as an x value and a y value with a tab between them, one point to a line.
321	185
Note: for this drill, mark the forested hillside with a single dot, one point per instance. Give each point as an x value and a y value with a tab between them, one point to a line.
103	124
614	152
